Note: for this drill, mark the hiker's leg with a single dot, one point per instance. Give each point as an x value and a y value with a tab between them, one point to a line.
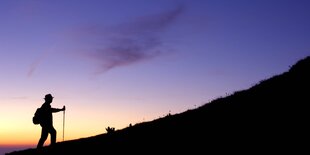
44	134
53	135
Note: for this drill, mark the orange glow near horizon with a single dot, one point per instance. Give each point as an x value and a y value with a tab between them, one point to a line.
80	122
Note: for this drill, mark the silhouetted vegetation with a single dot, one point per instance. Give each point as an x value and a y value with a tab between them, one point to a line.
269	117
110	130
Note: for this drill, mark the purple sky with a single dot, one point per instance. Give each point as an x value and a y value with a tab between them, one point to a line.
127	61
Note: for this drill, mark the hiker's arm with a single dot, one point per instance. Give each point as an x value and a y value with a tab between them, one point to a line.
57	109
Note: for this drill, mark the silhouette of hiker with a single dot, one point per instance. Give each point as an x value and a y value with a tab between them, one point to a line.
47	121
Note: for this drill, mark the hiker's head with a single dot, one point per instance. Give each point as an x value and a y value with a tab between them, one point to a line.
48	98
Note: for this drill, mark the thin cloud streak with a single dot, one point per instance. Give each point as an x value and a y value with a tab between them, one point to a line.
130	42
34	65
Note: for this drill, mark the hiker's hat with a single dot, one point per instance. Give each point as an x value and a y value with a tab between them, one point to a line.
48	96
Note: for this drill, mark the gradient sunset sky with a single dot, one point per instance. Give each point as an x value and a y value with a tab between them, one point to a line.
116	62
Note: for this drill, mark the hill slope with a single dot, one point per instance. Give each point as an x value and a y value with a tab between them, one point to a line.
268	117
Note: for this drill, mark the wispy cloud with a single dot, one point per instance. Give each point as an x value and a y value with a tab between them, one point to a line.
130	42
35	64
118	45
33	67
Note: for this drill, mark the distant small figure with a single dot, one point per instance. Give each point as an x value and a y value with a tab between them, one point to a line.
47	121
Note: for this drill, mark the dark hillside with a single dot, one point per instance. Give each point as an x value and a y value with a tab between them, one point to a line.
270	117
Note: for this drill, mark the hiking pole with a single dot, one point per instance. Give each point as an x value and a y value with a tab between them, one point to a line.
63	126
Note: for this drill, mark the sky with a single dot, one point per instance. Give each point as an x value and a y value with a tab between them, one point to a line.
120	62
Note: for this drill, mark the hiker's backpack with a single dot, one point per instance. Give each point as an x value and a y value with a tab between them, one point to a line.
37	118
